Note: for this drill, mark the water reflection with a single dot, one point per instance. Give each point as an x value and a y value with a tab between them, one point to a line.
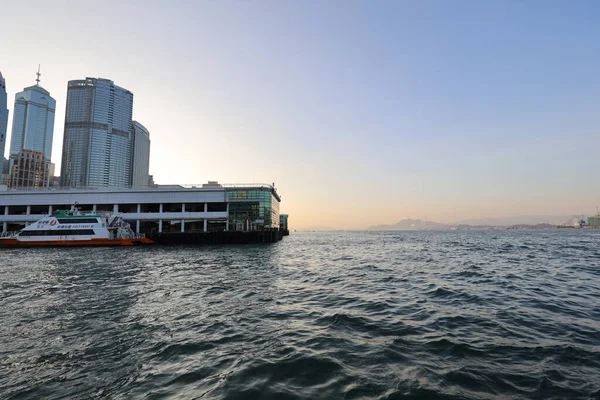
204	308
73	329
319	315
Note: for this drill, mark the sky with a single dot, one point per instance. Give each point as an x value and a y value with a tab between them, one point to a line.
360	112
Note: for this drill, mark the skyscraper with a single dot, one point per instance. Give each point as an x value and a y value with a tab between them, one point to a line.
3	120
33	121
140	155
97	139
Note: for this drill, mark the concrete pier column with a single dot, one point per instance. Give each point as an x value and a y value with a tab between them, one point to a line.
49	209
227	222
205	207
93	208
182	207
5	224
183	225
139	208
115	208
205	225
160	222
28	210
137	225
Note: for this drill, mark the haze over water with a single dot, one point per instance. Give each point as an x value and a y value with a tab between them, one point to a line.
355	315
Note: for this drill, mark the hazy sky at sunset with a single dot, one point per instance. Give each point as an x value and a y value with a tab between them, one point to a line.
361	112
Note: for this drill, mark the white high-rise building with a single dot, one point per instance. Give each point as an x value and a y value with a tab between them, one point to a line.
97	139
3	121
140	156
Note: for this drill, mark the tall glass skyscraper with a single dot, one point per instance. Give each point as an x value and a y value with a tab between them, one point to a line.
33	121
3	121
97	139
140	156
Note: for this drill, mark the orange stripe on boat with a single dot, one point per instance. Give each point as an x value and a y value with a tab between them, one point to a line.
66	243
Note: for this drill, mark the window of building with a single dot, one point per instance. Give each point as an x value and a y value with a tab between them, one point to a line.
172	207
214	207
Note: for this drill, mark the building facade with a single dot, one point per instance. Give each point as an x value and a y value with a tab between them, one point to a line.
4	166
253	209
97	136
3	121
30	170
140	156
283	221
33	121
162	209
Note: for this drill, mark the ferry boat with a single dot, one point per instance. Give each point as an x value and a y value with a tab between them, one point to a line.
75	228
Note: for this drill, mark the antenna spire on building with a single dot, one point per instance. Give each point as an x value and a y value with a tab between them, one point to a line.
38	76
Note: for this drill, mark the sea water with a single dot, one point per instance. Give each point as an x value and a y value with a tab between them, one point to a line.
319	315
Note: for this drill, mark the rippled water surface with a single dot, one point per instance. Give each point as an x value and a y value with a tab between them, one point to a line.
355	315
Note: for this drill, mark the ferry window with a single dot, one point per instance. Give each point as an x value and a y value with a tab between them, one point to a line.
78	221
82	232
61	232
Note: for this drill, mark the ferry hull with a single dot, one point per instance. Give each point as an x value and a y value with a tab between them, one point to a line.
73	243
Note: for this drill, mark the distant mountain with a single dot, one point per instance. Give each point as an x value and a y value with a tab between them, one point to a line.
410	225
520	220
536	226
